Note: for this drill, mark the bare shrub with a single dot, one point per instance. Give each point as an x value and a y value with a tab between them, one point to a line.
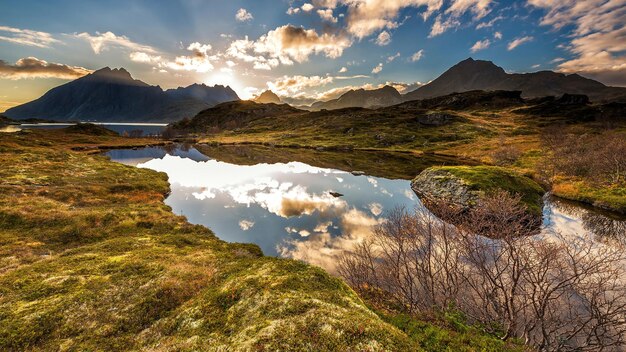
506	154
598	157
555	293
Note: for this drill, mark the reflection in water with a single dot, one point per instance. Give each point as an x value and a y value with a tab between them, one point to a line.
287	208
606	227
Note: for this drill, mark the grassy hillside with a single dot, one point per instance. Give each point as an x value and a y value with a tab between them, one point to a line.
92	259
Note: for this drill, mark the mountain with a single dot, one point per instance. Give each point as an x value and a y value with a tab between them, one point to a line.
113	95
268	97
209	95
362	98
473	74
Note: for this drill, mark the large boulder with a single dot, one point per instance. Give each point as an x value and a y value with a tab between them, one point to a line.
463	187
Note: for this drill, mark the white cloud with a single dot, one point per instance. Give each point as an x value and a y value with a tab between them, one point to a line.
497	35
536	66
393	57
383	38
378	68
246	224
243	15
293	10
489	23
327	15
598	36
32	67
417	56
518	41
343	70
375	208
292	85
480	45
480	8
142	57
440	25
27	37
102	41
307	7
558	59
287	44
369	16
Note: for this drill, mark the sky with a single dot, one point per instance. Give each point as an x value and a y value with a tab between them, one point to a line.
302	50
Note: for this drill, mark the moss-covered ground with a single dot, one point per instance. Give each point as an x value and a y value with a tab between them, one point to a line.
92	260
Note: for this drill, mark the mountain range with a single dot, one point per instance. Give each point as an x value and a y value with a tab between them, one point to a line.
469	75
113	95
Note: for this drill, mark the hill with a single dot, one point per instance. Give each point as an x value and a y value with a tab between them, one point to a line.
113	95
268	97
362	98
473	74
232	115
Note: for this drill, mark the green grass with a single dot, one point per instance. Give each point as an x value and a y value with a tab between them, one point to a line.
92	259
491	178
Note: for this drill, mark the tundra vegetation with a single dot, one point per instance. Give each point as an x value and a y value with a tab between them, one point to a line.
92	259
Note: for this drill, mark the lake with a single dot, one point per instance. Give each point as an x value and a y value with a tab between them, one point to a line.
307	204
148	129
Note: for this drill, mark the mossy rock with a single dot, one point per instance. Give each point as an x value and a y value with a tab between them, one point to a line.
464	186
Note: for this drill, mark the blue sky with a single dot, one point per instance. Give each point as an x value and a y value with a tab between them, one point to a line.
298	48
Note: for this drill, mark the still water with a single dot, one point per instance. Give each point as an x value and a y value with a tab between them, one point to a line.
312	213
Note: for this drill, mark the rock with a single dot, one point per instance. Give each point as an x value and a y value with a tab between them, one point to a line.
358	173
436	119
463	187
573	99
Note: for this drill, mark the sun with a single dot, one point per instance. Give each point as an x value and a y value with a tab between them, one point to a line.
226	78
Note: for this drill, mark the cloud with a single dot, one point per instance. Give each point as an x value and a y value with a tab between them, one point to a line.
440	25
243	15
518	41
32	67
293	10
417	56
557	59
480	45
598	36
378	68
27	37
393	57
480	8
291	85
383	38
366	17
199	61
343	70
327	15
307	7
286	44
450	18
102	41
497	35
246	224
489	23
375	208
138	56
